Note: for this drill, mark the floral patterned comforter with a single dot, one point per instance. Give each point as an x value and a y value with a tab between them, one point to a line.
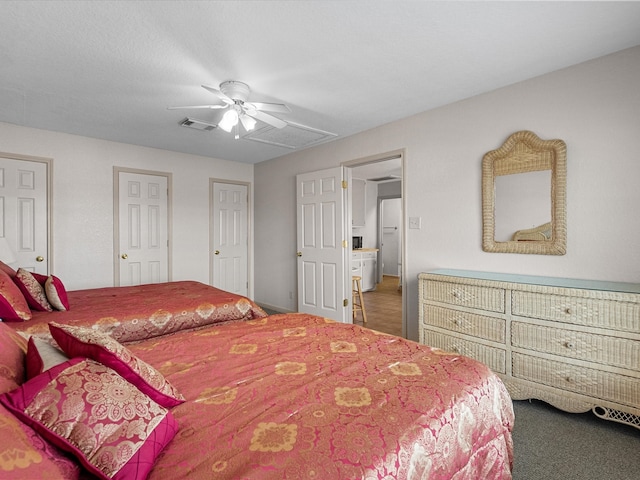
296	396
145	311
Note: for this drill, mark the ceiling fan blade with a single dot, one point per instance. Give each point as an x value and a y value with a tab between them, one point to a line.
211	107
219	94
269	107
268	119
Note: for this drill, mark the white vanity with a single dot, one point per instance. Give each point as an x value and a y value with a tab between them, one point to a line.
572	343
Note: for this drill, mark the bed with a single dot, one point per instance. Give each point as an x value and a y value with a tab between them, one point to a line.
145	311
288	396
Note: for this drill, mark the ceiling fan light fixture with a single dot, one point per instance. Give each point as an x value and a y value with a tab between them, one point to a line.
229	120
248	122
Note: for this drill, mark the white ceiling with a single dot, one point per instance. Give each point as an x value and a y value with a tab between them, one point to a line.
110	69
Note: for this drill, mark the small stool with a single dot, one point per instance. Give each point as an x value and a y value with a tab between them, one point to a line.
357	300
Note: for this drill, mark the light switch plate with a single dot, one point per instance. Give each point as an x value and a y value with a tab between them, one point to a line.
414	222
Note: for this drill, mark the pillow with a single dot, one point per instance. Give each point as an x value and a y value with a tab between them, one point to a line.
41	356
7	269
13	306
25	454
83	407
32	290
12	354
86	342
56	293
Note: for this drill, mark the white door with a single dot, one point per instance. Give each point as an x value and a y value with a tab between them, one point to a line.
143	228
322	247
23	212
230	244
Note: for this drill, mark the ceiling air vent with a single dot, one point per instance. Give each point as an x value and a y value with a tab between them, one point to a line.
386	178
197	124
291	136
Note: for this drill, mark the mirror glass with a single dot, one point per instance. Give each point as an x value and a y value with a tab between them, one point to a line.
523	201
524	196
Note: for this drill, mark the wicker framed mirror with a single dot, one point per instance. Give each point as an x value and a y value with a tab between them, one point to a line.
524	196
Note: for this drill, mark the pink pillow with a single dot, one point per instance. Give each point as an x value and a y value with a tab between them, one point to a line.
33	290
13	306
7	269
86	342
56	293
25	454
12	354
41	356
86	408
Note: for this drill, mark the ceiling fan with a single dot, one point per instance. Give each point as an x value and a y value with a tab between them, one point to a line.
234	95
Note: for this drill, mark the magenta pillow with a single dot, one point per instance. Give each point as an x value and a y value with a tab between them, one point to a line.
41	356
86	342
33	289
56	293
13	306
86	408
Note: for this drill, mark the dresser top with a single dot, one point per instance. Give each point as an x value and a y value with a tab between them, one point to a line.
538	280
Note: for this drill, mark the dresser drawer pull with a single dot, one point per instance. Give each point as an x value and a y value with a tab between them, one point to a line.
568	311
569	379
570	345
458	322
455	294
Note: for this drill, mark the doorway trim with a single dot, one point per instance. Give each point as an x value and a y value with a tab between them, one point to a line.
403	255
116	218
213	180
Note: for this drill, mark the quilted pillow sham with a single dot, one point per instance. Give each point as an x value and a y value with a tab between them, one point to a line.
83	407
13	306
32	287
86	342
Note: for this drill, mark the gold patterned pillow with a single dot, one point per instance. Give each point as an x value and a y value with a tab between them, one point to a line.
87	409
32	287
86	342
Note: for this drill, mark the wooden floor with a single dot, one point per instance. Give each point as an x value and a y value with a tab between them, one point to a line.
383	307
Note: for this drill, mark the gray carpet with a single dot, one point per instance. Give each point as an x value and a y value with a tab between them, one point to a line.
550	444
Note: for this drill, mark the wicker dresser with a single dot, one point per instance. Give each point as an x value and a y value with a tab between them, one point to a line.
572	343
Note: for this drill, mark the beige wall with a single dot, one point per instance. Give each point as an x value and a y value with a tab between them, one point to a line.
594	107
83	201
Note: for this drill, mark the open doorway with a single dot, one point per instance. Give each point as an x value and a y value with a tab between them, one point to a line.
378	229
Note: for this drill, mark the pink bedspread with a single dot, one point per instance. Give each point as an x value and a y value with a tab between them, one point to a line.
145	311
300	397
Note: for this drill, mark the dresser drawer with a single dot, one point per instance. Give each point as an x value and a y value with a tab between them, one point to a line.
490	328
592	312
494	358
484	298
586	381
614	351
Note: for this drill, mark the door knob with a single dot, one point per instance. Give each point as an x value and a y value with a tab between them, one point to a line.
299	254
124	256
39	258
217	252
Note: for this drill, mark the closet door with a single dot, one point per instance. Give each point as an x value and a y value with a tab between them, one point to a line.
143	228
24	212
